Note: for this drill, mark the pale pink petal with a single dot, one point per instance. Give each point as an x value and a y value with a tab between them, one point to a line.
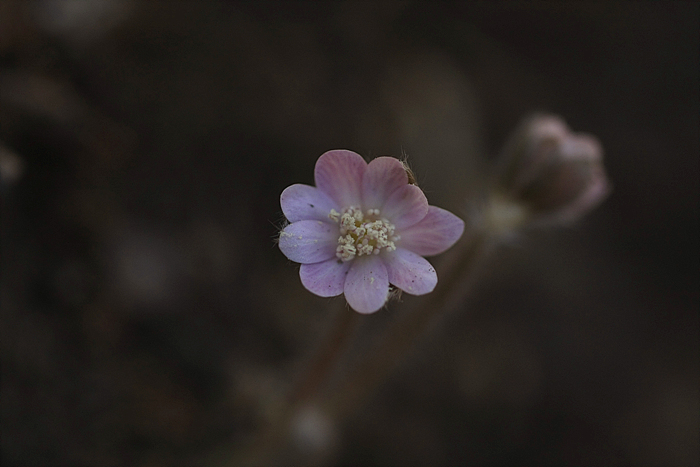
339	174
367	284
581	146
410	272
405	206
303	202
325	279
384	175
309	241
437	232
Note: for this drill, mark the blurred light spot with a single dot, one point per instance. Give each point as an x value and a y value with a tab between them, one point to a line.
146	269
11	167
313	430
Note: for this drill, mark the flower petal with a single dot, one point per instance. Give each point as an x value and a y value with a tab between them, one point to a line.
410	272
303	202
325	279
438	231
309	241
405	206
367	285
384	175
339	174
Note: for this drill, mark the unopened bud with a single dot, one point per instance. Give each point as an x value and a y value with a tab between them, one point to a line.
556	175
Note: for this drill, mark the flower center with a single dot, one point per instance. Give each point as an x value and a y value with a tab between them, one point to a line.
362	233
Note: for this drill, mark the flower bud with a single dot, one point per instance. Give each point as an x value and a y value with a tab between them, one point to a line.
553	174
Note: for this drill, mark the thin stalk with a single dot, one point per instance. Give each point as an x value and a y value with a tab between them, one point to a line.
326	356
375	364
272	439
395	342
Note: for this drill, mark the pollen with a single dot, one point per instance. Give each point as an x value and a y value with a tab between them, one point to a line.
362	233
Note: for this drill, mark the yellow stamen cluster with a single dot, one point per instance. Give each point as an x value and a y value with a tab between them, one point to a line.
362	233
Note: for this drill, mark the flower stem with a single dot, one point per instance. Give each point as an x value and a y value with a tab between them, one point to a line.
395	342
325	357
374	365
270	442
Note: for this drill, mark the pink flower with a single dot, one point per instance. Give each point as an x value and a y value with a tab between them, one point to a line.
362	228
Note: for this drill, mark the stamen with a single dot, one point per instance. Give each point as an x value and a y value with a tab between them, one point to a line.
362	237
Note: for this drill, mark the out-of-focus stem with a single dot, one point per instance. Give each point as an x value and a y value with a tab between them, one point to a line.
396	341
457	274
268	443
326	356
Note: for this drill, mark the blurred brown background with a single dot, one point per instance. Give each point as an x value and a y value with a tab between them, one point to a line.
148	319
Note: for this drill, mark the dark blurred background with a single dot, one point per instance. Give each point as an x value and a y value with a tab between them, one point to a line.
147	317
